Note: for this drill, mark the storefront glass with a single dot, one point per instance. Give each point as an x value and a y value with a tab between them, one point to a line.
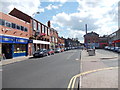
19	48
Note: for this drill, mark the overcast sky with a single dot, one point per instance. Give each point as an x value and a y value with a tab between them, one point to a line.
69	17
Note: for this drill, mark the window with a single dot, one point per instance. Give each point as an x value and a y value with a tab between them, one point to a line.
18	27
22	28
13	25
2	22
42	28
7	24
39	27
26	29
46	30
19	48
56	40
34	25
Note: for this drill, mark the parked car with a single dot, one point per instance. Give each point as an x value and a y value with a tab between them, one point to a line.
106	47
112	48
62	49
40	53
50	51
116	49
57	50
65	49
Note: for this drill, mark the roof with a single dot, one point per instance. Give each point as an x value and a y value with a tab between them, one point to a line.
19	14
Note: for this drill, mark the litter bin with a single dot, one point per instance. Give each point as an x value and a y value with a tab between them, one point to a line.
91	52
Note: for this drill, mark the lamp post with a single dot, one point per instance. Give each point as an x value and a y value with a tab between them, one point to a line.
36	33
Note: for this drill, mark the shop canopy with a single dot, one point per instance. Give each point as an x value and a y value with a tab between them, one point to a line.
40	42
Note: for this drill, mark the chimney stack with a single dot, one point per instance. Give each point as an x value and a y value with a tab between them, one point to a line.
86	28
49	25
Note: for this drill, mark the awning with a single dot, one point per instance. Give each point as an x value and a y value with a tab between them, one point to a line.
40	42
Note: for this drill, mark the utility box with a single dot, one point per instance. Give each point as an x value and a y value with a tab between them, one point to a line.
91	52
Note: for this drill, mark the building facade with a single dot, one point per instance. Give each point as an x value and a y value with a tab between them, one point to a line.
61	42
114	39
91	39
103	41
39	33
14	36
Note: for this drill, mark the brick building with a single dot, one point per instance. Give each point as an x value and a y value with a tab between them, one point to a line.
14	36
114	38
61	42
39	33
103	41
53	38
91	39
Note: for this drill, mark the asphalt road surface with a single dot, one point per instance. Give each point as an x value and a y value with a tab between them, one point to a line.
53	71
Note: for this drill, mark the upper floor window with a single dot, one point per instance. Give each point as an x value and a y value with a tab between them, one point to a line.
13	25
22	28
26	29
7	24
18	27
42	28
39	27
34	25
46	30
2	22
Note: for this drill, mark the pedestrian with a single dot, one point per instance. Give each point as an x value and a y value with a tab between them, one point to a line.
3	56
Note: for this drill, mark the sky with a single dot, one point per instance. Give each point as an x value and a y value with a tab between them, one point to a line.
69	17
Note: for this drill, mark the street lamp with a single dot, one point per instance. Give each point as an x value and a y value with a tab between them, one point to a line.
35	13
36	33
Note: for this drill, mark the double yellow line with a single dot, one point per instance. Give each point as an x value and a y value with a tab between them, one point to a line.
73	79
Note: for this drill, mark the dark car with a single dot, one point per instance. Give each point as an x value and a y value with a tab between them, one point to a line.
40	53
57	50
50	52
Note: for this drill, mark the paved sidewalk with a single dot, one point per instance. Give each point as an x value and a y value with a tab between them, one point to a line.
105	78
17	59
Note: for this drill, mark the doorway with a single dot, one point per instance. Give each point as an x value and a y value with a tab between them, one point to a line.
7	50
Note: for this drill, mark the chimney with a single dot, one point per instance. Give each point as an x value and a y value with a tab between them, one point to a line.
49	25
86	28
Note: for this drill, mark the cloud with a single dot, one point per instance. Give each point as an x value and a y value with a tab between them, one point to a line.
101	16
50	6
27	6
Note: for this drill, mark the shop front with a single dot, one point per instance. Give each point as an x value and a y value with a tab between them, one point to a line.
14	46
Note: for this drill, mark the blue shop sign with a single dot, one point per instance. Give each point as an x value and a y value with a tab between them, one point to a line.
21	40
6	39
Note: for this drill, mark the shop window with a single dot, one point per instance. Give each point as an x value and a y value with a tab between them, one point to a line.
13	25
2	22
7	24
19	48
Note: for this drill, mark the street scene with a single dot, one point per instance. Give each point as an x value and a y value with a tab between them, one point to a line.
59	44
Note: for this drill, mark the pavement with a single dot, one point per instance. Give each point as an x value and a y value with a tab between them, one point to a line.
13	60
99	71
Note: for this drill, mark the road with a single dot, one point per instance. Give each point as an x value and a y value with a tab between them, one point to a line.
53	71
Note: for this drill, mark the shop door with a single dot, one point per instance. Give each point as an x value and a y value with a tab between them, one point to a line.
7	50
